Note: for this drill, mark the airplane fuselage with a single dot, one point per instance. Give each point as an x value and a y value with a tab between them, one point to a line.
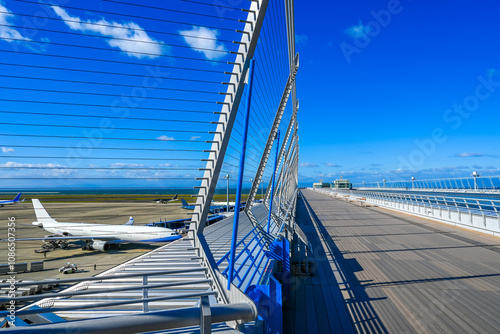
16	200
122	233
2	203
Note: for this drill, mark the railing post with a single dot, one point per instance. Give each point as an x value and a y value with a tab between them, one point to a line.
205	316
145	294
240	176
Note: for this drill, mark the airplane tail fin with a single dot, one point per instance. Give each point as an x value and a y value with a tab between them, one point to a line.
130	221
174	198
16	199
42	216
184	203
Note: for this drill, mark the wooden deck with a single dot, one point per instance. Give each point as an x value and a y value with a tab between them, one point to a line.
378	271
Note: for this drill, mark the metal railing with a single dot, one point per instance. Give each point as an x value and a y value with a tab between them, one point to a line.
190	316
145	287
203	316
481	183
481	214
250	259
488	207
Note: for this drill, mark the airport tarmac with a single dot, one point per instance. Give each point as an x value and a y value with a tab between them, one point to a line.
104	213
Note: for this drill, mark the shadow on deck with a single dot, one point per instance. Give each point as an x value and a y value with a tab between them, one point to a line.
377	271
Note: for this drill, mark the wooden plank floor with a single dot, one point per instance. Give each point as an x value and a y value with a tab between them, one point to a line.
379	271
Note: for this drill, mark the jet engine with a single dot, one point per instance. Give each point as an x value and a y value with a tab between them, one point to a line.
102	246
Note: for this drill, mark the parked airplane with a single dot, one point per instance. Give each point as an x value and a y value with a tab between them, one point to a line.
213	208
165	200
231	204
97	236
12	201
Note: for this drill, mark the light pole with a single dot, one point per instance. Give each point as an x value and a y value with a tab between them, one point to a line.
384	182
227	177
363	184
413	182
475	175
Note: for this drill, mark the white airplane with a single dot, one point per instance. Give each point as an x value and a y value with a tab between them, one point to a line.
223	203
98	236
12	201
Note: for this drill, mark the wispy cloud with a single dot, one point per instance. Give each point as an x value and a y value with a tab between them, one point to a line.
8	33
329	164
49	169
125	165
128	37
195	137
165	138
307	164
301	39
204	40
475	155
7	149
484	167
357	31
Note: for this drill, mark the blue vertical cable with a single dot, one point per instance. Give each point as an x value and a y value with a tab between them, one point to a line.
240	177
272	185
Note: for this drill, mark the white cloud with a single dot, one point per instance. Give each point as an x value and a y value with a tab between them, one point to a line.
128	37
301	39
165	138
307	164
49	169
327	176
194	137
7	149
475	155
6	32
204	40
468	155
329	164
14	164
124	165
357	31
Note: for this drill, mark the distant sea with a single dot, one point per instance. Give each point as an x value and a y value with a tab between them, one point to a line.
115	191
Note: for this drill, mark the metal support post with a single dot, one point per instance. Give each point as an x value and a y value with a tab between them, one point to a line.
271	198
227	177
205	316
145	294
240	177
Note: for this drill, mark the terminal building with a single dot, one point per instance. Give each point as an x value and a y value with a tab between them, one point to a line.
321	184
337	184
342	184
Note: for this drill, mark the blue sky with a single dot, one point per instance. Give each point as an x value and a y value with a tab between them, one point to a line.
387	89
104	93
381	84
